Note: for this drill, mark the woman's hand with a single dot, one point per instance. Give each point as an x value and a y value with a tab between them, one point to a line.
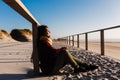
63	48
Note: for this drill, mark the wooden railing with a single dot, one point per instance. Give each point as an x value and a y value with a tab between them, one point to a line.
19	7
70	41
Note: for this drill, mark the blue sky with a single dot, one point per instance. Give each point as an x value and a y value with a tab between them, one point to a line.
64	17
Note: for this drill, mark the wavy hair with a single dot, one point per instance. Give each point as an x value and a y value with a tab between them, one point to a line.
41	31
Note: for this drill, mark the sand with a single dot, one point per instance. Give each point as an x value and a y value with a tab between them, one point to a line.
112	49
15	64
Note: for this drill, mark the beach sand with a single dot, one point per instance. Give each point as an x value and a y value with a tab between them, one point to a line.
112	49
15	64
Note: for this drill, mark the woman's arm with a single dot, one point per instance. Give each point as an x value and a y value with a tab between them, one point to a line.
53	50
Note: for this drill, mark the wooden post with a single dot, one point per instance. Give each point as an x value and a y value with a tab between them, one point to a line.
73	40
102	42
35	53
69	40
65	40
78	40
86	41
19	7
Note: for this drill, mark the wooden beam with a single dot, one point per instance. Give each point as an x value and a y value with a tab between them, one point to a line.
35	51
19	7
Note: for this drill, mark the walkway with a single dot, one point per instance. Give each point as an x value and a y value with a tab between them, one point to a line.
15	63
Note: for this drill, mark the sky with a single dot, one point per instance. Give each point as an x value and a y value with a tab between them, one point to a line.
64	17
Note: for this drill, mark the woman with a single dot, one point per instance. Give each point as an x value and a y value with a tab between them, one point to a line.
51	59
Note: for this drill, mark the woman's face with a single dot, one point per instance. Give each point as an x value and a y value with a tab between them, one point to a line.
47	32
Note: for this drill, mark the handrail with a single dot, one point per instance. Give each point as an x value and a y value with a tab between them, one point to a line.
19	7
102	43
98	30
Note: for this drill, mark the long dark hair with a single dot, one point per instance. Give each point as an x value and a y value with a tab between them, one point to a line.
41	31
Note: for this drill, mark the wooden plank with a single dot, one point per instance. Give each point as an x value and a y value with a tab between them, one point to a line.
99	30
19	7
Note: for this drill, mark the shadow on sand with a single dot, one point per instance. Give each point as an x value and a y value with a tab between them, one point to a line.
13	76
27	76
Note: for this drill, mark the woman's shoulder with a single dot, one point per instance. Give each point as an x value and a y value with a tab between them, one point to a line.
46	39
43	38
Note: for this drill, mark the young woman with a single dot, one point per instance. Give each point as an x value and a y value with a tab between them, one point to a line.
52	60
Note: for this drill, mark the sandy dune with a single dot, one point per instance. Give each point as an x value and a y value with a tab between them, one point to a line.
23	35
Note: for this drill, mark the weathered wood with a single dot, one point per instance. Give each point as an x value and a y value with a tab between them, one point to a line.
101	36
78	40
19	7
102	42
73	40
69	40
100	30
86	41
35	53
